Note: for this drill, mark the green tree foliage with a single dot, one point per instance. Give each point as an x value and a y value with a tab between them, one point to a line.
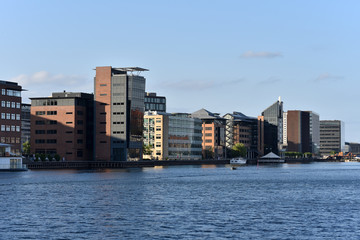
239	150
147	149
26	148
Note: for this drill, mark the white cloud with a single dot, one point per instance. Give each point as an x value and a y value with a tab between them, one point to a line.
43	83
271	80
251	54
328	77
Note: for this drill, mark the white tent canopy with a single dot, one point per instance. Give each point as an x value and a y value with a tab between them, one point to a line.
270	155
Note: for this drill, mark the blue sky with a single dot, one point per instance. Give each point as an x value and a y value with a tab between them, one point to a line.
220	55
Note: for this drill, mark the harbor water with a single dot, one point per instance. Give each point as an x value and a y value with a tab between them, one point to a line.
284	201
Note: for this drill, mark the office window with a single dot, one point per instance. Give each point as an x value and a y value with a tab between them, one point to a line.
8	104
18	128
9	92
40	112
13	105
2	115
69	113
51	113
17	116
17	105
13	116
39	122
39	131
3	128
51	141
13	128
3	103
3	91
8	116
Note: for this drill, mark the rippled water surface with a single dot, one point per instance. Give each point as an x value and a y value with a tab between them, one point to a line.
296	201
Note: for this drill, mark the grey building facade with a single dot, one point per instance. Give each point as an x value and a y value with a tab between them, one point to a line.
332	136
25	123
154	103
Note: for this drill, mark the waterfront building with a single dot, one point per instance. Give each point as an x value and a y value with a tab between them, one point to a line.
314	132
298	131
156	134
25	123
273	127
63	124
243	129
10	120
154	103
213	133
119	113
332	136
301	131
352	147
185	137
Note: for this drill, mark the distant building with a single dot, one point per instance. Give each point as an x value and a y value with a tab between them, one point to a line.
298	131
246	130
213	133
119	113
314	132
332	136
156	134
154	103
185	137
25	123
273	127
10	120
352	147
63	124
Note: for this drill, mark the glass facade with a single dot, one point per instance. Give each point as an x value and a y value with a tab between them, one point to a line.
185	137
273	123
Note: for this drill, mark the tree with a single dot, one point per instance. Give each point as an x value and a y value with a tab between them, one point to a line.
26	148
239	150
147	149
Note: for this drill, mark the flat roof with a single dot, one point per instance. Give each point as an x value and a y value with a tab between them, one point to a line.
132	69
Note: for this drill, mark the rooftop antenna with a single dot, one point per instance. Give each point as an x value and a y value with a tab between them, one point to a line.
279	98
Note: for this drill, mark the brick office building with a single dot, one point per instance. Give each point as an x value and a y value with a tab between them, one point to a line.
10	120
119	113
63	125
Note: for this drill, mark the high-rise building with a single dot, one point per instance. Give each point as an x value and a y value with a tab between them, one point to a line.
352	147
332	136
63	124
10	120
156	134
243	129
25	123
119	113
273	127
213	133
298	131
314	132
154	102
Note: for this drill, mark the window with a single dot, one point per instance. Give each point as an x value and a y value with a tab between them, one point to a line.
79	153
17	105
80	112
51	112
8	104
68	153
3	91
39	140
17	116
208	128
51	131
3	128
8	116
102	141
69	132
103	85
13	128
3	103
80	132
9	92
103	113
52	122
40	122
2	115
2	139
103	94
13	116
13	105
69	113
79	141
80	122
208	134
39	131
68	141
51	141
69	122
18	128
40	112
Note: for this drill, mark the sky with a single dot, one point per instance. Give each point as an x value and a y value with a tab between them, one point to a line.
223	56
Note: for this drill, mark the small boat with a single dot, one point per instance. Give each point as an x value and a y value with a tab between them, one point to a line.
236	162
